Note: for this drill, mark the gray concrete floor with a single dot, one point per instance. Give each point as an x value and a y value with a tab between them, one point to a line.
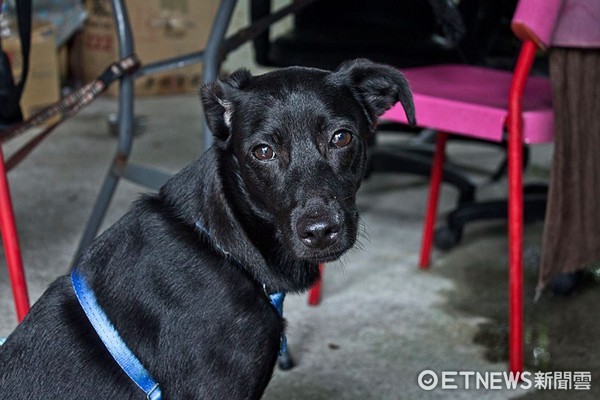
382	321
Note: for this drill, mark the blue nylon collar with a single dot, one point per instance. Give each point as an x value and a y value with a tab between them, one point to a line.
128	362
277	302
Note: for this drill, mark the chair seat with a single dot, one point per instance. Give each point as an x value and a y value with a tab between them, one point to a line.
473	101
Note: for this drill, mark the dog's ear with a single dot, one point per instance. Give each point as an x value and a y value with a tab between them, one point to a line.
217	102
377	86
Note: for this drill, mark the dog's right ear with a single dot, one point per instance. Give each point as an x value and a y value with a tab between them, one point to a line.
377	86
217	102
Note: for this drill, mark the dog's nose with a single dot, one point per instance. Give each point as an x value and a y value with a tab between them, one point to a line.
318	233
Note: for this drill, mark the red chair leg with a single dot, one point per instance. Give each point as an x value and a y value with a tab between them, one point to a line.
515	249
515	206
11	246
314	294
437	170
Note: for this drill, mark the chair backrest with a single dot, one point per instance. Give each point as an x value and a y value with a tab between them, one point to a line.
535	20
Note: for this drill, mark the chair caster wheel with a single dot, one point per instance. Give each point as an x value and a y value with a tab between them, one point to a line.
446	238
565	284
285	361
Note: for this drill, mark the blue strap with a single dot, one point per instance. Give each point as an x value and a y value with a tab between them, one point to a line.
112	340
277	302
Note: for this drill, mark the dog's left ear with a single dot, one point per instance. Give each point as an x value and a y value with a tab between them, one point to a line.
217	102
377	86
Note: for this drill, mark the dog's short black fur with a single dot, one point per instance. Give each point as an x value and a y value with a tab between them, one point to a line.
183	275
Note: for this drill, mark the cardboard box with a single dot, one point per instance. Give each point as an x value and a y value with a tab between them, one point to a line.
42	87
161	29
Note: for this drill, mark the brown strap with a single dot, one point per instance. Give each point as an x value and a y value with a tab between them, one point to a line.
65	108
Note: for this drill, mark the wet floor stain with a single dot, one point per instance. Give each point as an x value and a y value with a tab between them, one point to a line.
561	333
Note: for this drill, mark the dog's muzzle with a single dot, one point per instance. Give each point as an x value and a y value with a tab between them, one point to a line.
321	228
318	232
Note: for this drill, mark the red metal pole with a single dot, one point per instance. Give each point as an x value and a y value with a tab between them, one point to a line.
515	205
435	181
11	246
314	294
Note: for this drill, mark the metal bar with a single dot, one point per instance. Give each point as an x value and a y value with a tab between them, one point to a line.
314	294
125	130
171	63
126	101
515	204
213	56
12	251
149	177
437	171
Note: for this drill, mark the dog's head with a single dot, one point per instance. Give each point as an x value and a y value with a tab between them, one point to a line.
292	147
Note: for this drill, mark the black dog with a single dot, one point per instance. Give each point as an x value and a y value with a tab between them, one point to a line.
184	276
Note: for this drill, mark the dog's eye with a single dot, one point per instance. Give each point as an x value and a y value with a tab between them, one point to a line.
341	139
263	152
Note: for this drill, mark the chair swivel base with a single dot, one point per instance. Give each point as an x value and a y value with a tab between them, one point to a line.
413	162
450	235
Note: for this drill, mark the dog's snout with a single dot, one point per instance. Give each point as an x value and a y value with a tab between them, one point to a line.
318	233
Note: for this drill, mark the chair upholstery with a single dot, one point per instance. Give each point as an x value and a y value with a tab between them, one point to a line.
578	25
535	19
473	101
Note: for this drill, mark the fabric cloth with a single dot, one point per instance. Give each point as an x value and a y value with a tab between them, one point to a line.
571	237
578	24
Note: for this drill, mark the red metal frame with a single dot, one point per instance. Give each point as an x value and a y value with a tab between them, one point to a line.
435	180
314	294
11	246
515	204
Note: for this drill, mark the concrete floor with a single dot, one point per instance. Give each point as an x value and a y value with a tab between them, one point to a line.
382	321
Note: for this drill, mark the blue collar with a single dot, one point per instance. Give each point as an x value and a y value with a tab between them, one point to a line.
277	302
128	362
115	345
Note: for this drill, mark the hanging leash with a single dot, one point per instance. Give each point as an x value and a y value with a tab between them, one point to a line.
128	362
65	108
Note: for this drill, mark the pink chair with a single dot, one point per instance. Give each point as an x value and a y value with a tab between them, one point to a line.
484	103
